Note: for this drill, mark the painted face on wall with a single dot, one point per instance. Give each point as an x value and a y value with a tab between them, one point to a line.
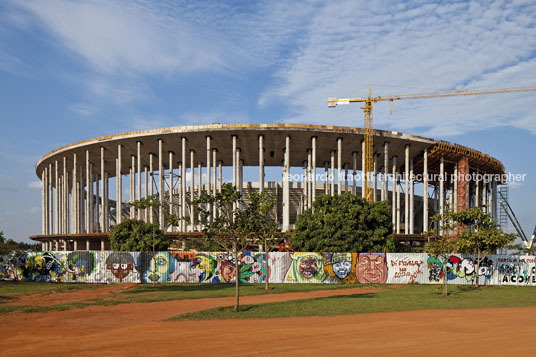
308	267
120	270
228	271
120	264
342	264
371	268
159	268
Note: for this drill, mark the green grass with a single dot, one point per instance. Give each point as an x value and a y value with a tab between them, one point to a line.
166	292
414	297
10	289
143	293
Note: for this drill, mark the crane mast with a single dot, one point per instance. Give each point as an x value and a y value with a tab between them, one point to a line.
368	109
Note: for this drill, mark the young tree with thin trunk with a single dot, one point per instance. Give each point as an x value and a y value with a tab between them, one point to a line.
232	228
479	234
441	244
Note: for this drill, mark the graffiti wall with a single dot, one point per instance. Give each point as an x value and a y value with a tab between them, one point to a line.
281	267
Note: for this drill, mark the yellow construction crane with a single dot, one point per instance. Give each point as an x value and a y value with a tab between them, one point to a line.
367	108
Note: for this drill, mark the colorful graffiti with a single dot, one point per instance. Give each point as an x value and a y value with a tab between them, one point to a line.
372	268
306	268
282	267
340	267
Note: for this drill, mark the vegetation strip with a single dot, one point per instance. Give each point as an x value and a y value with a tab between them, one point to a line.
145	293
415	297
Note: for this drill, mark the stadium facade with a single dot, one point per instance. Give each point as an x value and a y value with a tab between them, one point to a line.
419	177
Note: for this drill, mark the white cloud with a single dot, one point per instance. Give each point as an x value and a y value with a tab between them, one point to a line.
34	185
451	46
126	36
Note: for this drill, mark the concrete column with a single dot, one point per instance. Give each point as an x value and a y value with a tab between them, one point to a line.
183	224
411	199
455	200
441	187
363	178
313	158
208	167
398	187
238	172
345	177
65	191
132	191
88	244
484	198
146	192
88	194
354	168
477	190
374	178
151	186
494	199
305	188
43	202
102	177
406	189
386	171
234	161
75	207
326	173
102	248
286	188
138	180
192	189
106	209
50	195
161	222
179	211
96	206
56	198
75	245
215	178
309	180
214	173
170	192
118	188
199	179
339	166
220	175
82	198
261	163
332	157
393	195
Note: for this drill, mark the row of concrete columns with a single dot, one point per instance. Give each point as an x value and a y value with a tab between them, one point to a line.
78	201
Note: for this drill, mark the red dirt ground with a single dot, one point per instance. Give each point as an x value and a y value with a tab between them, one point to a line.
137	329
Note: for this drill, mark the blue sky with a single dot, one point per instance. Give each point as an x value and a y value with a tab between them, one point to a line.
73	70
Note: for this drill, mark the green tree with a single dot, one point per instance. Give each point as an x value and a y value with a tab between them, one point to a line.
440	245
479	234
233	228
258	224
8	245
344	223
133	235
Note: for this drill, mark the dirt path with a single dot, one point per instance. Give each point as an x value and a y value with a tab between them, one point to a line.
137	329
61	297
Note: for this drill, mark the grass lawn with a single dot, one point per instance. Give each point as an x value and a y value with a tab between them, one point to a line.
142	293
414	297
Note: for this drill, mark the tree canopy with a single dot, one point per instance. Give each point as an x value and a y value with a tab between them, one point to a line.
133	236
344	223
8	245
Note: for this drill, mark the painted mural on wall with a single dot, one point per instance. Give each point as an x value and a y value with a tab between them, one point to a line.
283	267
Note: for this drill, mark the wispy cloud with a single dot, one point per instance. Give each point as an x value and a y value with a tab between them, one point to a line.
34	185
449	46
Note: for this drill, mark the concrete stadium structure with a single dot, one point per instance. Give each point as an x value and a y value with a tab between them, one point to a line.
176	164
